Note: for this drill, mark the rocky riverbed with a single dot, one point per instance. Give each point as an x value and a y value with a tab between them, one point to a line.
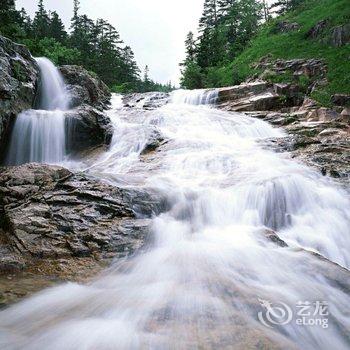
59	224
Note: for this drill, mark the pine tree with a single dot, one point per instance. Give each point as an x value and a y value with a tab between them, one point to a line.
56	28
190	45
41	22
10	20
283	6
146	79
209	19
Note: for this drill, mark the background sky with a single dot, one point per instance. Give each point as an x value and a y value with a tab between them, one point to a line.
155	29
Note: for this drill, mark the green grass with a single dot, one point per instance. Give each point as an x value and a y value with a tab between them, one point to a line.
295	45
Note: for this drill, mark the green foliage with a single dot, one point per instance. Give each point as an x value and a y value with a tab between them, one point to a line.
225	28
295	44
291	45
96	45
192	76
18	71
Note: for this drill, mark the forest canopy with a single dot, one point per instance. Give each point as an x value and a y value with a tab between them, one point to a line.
95	45
224	31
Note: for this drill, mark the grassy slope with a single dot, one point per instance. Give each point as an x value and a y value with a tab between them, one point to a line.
296	45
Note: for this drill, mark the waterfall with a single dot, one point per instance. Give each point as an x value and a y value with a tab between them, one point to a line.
195	97
39	134
214	255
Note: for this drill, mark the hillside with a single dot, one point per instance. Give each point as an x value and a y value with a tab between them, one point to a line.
316	36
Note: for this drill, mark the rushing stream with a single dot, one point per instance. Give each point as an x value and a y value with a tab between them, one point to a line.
201	283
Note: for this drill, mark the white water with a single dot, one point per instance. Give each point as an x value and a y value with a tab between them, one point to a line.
195	97
39	135
198	286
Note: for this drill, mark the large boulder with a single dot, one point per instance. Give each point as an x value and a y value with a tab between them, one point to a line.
87	127
18	78
85	87
253	96
243	90
50	213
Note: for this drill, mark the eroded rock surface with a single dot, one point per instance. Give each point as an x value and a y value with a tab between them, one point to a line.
85	87
18	78
148	100
49	213
87	128
319	136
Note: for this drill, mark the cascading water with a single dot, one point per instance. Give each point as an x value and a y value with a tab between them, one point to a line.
212	262
195	97
39	135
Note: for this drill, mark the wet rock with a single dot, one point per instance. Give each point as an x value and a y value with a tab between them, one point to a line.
18	78
148	100
85	87
154	141
50	213
87	128
340	35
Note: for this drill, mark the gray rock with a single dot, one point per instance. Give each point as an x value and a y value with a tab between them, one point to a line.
147	100
341	100
18	78
49	212
155	140
340	35
286	26
87	127
85	87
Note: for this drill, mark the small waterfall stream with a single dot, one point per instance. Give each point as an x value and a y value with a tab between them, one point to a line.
39	134
199	285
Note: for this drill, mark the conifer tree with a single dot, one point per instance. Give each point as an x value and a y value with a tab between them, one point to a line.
209	19
41	22
283	6
56	28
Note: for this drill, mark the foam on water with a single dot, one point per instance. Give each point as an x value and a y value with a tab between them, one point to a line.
199	284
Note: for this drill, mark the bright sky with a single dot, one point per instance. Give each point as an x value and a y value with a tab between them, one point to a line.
155	29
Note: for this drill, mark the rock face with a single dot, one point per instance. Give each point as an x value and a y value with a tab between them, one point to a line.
85	87
18	78
311	68
318	136
255	96
286	26
340	35
50	213
86	128
148	100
